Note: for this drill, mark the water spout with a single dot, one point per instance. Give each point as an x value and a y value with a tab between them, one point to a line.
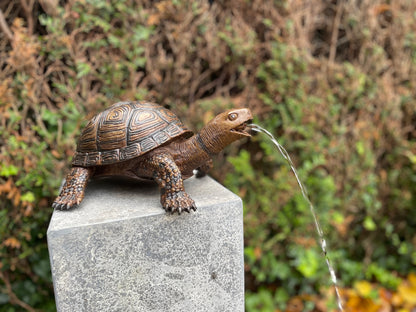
304	191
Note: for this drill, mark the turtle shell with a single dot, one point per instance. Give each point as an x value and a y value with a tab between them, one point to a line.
126	130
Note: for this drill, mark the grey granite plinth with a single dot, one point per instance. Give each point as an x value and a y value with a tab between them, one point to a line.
120	251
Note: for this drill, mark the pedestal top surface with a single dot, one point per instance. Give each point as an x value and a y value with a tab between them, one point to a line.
114	199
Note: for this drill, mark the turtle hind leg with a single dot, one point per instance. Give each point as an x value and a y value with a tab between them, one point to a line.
73	190
202	171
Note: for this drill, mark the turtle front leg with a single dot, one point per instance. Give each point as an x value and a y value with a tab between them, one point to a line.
168	176
73	190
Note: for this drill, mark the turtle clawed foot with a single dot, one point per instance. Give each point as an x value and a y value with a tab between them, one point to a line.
65	202
72	192
178	202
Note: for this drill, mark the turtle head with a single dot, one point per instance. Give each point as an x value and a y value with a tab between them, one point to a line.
225	128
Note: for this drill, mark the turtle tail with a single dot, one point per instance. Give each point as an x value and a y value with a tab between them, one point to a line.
73	190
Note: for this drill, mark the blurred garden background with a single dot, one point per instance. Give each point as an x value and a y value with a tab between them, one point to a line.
334	81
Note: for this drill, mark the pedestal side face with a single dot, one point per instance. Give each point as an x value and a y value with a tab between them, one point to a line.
119	251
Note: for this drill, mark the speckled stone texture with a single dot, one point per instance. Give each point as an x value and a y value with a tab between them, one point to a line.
120	251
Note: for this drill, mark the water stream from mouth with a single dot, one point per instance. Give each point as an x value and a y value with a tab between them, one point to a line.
322	240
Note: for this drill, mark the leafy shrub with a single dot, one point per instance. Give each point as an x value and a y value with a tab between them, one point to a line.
334	82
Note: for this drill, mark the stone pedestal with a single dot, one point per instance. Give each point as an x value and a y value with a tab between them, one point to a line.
120	251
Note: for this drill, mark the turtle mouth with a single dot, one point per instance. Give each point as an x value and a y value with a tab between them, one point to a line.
242	129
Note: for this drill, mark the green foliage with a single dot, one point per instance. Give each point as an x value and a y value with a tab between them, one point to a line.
8	170
41	117
262	301
277	219
342	106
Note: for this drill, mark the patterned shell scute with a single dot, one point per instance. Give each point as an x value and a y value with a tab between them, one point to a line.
126	130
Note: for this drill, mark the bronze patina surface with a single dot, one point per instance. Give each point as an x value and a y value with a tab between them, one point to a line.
147	141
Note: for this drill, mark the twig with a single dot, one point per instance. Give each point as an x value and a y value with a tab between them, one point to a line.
4	27
335	31
12	296
28	8
50	7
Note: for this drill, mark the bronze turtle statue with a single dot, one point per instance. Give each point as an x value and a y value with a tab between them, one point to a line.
147	141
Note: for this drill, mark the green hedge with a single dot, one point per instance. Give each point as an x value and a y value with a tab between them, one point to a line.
334	83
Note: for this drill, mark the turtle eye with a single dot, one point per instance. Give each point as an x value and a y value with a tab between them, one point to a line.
232	116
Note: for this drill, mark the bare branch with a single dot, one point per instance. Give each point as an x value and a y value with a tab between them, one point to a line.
12	296
335	31
50	7
4	27
28	8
